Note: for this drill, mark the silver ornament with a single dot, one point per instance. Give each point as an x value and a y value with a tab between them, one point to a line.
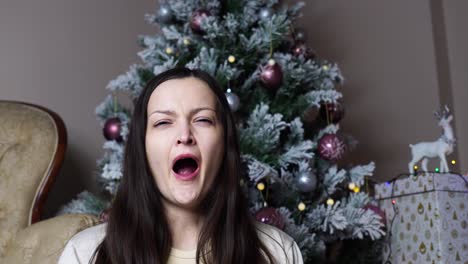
265	13
233	100
306	182
164	13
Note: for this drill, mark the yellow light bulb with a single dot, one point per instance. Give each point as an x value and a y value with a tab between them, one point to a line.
454	162
356	189
330	201
301	206
351	186
261	186
416	167
231	59
169	50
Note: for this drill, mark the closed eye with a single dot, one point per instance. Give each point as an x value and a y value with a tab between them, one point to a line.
204	120
160	123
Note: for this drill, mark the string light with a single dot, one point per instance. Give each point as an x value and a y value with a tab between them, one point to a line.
351	186
261	186
393	201
356	189
169	50
301	206
330	201
325	67
231	59
186	41
454	162
437	169
416	167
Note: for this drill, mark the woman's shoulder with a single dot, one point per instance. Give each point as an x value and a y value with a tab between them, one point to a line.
281	245
80	248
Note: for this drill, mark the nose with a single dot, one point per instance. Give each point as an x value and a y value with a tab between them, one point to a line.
185	137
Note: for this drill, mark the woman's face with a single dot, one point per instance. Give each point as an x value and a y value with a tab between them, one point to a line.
184	140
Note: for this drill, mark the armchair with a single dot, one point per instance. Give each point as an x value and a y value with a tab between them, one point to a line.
33	140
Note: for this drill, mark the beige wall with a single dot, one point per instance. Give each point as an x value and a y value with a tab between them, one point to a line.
61	54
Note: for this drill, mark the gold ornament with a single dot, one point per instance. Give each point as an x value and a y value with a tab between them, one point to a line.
330	201
169	50
301	206
231	59
261	186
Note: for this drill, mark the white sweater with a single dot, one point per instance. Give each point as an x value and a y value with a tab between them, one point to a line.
81	247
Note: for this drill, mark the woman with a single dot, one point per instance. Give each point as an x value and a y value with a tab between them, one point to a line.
179	200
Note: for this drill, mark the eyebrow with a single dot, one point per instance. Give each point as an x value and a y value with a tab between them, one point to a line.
172	113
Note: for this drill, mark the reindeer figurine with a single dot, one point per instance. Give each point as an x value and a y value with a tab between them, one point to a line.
439	148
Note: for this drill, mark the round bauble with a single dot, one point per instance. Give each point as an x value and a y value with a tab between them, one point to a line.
306	182
271	75
331	112
265	13
195	20
165	14
331	147
270	216
112	128
233	101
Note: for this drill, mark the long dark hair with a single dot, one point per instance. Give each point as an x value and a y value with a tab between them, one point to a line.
138	231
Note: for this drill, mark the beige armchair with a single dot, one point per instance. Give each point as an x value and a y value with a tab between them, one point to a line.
32	148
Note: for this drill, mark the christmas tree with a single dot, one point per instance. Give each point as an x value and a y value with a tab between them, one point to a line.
287	107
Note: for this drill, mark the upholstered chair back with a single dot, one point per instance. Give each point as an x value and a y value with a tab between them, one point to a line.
32	147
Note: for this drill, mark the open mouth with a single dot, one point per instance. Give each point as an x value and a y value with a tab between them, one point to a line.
185	168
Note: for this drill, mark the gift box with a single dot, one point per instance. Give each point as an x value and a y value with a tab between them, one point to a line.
426	218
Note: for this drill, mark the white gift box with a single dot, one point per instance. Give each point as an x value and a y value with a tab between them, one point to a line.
430	224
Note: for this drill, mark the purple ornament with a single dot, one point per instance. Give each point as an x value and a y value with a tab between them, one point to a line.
331	147
112	128
271	75
195	20
270	216
331	112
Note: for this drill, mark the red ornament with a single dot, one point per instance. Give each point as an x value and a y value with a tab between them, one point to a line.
331	147
270	216
377	211
112	128
271	75
331	112
195	20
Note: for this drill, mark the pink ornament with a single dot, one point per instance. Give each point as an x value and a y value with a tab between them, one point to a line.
377	211
111	129
195	20
331	147
270	216
271	75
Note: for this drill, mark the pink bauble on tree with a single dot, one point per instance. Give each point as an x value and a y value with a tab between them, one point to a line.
196	19
271	75
112	128
270	216
331	147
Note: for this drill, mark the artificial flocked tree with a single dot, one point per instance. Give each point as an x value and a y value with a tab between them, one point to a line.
287	108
